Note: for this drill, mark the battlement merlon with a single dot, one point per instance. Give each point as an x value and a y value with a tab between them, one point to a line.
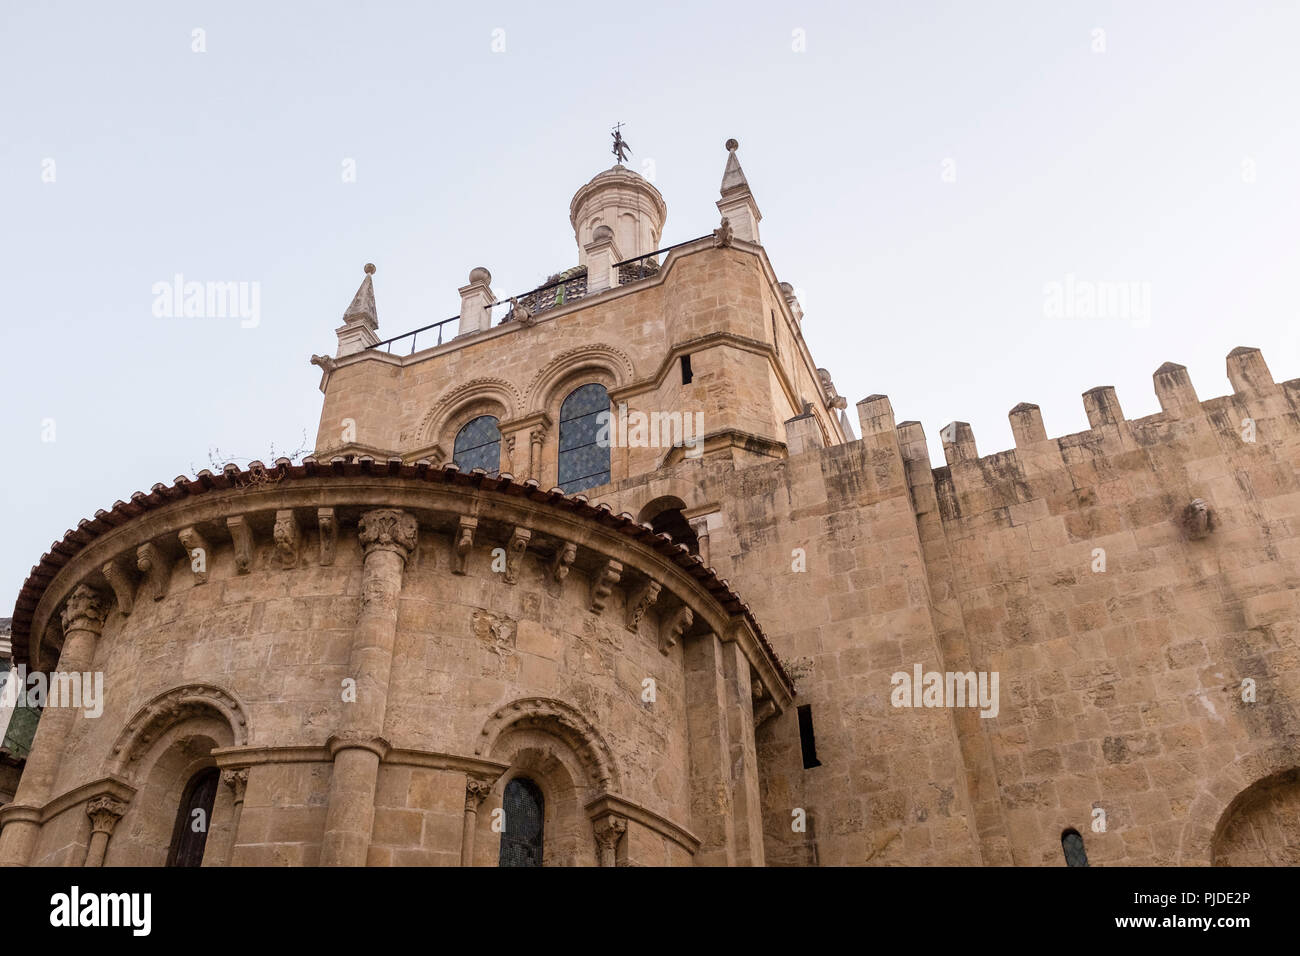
1258	406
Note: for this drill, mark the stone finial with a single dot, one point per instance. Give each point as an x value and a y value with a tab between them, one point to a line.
361	318
737	204
476	299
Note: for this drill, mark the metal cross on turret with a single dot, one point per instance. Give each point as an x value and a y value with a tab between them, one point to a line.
621	148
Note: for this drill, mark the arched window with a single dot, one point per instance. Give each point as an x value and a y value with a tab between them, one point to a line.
1072	844
523	808
478	445
194	819
584	461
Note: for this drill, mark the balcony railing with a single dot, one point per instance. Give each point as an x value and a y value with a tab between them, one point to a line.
568	288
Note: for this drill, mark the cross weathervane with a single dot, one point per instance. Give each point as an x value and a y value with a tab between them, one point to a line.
621	148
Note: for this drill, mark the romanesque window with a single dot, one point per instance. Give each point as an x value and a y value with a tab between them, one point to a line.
584	461
523	808
194	819
478	445
1072	844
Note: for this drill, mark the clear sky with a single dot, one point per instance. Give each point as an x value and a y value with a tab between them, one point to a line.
925	170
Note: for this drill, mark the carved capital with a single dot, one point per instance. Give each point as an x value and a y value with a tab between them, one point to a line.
358	740
153	564
564	556
476	791
464	541
388	529
329	532
287	538
85	610
673	627
122	580
515	553
609	828
236	780
603	584
198	551
645	596
242	537
104	812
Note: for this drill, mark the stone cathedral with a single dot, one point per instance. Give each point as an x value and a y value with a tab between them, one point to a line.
603	574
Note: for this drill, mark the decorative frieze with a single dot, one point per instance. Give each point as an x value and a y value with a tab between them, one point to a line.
603	584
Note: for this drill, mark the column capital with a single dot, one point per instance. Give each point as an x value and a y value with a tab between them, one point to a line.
477	788
609	828
388	529
85	610
357	740
236	780
104	812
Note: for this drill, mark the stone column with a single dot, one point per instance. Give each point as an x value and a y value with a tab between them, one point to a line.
104	812
476	791
535	439
609	830
388	537
237	781
746	809
710	750
83	621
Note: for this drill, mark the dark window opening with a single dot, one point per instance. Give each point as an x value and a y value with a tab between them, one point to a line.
806	739
584	439
478	445
1072	844
524	811
674	524
776	343
687	375
194	819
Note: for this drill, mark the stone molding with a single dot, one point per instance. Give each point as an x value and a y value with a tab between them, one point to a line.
612	803
170	708
563	721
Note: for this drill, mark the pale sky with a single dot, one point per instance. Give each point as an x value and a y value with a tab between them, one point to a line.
925	172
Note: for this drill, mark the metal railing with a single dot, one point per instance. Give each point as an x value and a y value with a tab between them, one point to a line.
412	335
553	294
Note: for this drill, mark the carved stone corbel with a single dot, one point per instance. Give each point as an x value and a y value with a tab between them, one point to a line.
287	538
563	560
763	704
671	630
515	549
122	580
242	536
151	561
329	532
604	583
646	595
461	545
609	830
197	551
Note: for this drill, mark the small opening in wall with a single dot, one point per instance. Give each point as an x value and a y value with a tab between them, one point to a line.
686	370
1072	845
806	739
776	342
